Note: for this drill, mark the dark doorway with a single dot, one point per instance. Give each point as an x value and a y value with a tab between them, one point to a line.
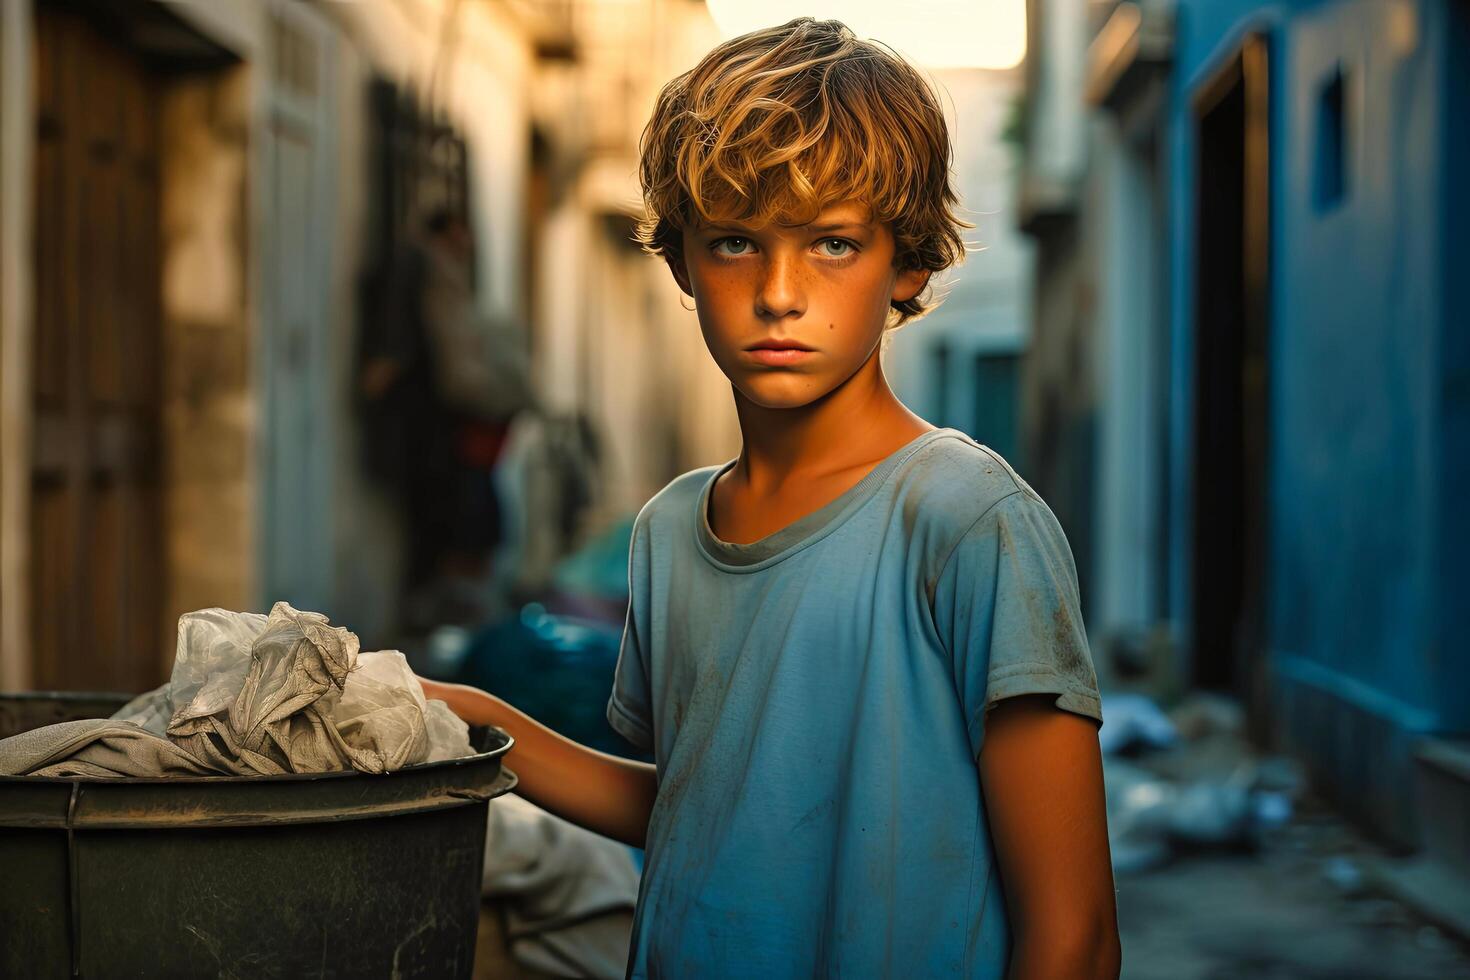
1230	373
96	569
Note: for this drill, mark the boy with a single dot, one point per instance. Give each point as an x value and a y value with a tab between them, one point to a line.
854	651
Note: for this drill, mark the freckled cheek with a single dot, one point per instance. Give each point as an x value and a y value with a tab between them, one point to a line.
724	303
720	327
718	291
851	310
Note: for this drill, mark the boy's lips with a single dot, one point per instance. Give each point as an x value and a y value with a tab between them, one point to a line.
778	351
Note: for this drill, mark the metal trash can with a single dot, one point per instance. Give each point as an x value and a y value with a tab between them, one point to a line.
323	875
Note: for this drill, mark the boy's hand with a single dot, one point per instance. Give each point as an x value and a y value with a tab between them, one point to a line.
607	795
1041	773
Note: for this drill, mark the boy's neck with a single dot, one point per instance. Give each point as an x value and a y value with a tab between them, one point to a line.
856	425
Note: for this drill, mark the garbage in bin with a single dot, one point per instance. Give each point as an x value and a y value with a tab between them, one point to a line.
345	873
252	694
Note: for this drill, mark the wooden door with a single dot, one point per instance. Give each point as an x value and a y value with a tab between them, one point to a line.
95	539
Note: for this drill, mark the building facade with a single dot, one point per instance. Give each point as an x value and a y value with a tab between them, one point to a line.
1247	393
191	195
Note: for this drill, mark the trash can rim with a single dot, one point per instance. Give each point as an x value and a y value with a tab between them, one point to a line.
480	735
285	777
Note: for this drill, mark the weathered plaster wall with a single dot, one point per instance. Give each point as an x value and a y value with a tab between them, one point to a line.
209	406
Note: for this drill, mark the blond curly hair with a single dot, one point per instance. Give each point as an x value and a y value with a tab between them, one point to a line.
778	124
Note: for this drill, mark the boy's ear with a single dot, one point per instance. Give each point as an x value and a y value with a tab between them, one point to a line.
910	283
681	273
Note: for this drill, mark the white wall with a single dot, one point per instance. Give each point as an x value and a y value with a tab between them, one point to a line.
483	81
1124	248
612	337
484	88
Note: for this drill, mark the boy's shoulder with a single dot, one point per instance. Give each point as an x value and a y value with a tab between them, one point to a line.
678	500
954	487
952	480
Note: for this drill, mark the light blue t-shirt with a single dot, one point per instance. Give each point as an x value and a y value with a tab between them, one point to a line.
815	703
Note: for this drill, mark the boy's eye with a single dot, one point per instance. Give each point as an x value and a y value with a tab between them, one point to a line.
836	248
731	246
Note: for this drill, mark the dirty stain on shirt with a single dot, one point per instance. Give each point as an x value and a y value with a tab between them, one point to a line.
815	703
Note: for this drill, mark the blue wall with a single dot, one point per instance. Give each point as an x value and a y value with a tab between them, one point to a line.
1370	425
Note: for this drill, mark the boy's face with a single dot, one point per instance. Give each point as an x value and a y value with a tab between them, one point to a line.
790	313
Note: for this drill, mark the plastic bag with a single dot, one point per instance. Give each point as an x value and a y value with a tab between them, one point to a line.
289	692
383	717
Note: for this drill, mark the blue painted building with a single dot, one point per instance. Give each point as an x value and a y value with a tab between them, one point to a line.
1248	390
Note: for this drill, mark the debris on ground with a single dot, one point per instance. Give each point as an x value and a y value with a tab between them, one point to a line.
1227	866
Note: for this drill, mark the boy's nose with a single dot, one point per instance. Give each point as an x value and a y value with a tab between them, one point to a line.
779	294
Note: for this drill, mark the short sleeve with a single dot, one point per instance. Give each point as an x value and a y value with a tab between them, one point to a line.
1006	608
628	710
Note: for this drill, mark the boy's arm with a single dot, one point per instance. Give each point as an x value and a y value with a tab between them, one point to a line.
605	794
1041	772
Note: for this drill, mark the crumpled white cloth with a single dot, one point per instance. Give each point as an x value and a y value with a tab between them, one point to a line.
256	695
568	893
